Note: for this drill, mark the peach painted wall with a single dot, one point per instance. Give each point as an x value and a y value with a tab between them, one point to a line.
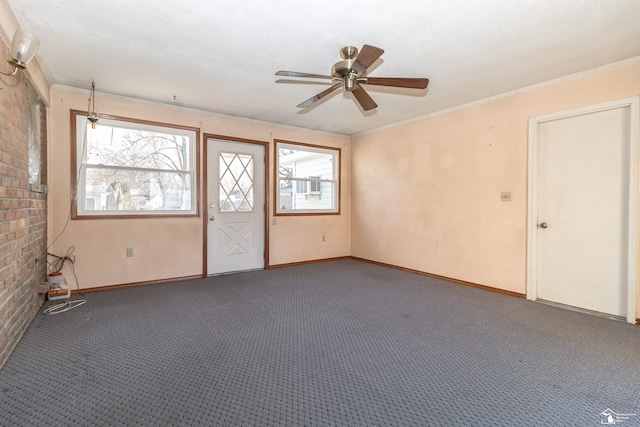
426	195
167	248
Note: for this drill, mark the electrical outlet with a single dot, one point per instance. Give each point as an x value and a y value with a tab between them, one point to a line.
505	196
129	252
324	239
273	221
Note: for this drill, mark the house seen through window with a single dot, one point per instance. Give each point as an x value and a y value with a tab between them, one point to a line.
307	179
129	168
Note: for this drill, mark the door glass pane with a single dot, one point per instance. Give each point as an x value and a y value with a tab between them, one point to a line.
236	182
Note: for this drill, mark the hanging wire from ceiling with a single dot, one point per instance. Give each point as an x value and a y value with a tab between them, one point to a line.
92	116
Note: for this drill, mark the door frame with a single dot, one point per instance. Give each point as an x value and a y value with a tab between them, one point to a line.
532	192
205	193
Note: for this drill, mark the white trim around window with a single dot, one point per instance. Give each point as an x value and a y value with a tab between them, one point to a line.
307	179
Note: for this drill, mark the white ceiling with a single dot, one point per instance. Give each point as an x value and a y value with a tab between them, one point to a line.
221	56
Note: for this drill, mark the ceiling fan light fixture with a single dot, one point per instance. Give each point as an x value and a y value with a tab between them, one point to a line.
350	81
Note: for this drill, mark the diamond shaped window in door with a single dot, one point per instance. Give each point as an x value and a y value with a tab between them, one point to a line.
236	182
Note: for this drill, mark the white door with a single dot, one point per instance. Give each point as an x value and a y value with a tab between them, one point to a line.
582	217
235	206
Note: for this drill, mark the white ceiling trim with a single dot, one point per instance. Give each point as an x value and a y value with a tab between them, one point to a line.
604	68
601	69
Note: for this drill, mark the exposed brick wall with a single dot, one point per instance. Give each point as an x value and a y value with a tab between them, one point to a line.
23	214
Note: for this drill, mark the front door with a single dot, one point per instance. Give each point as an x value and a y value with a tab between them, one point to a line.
583	212
235	206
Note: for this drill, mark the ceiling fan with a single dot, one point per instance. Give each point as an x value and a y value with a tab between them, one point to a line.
350	74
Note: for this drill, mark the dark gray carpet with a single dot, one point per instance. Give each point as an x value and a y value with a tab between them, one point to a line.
341	343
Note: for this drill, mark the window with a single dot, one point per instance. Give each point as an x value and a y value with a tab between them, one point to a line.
37	141
236	182
315	185
125	168
301	187
311	187
307	180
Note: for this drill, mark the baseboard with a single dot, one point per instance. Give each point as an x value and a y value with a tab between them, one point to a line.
313	261
291	264
132	285
448	279
179	279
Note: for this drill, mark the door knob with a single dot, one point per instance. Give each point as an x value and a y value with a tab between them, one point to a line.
212	218
543	225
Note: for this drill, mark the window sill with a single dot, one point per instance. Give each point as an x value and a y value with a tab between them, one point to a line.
305	213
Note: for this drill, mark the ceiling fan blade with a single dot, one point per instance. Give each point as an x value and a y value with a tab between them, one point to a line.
302	82
306	75
367	56
396	82
363	98
320	95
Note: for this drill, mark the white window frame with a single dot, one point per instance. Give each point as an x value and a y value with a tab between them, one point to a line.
80	126
309	180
